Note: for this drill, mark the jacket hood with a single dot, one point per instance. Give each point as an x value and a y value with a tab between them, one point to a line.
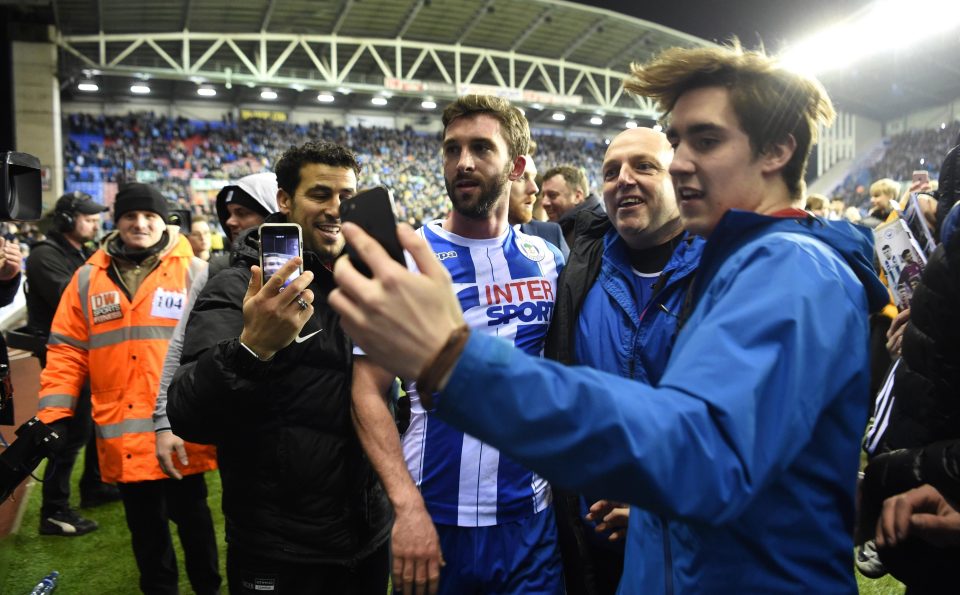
261	188
591	224
854	243
590	203
245	250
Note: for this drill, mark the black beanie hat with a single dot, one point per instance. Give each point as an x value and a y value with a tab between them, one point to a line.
139	197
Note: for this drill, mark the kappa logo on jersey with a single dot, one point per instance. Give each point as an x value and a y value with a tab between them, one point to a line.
527	300
441	256
106	306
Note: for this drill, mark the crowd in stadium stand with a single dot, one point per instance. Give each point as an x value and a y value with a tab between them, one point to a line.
901	156
114	148
905	150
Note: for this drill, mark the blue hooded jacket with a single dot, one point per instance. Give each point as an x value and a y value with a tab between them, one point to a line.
741	463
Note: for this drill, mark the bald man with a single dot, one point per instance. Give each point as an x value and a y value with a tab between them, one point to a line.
617	308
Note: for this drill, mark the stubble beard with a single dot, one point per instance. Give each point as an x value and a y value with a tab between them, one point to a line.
487	199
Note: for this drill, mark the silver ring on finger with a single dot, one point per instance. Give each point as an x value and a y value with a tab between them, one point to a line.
302	303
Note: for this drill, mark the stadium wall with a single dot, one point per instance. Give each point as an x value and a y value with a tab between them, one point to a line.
869	134
923	119
37	111
211	111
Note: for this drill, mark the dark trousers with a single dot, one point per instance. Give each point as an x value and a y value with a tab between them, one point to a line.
922	567
149	506
56	476
250	574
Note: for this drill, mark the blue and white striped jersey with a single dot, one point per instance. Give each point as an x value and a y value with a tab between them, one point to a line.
506	287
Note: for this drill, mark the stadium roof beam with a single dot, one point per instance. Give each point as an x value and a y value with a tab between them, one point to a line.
541	19
55	8
595	28
629	49
474	20
135	54
344	11
187	9
411	16
267	15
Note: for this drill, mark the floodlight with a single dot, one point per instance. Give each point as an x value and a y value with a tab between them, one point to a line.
596	120
558	116
88	86
139	88
379	100
428	104
268	94
206	91
631	124
847	42
326	98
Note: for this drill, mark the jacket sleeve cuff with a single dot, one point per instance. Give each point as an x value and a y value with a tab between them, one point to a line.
243	363
479	356
161	423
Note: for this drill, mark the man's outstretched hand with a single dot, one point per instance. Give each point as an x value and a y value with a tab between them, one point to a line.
400	319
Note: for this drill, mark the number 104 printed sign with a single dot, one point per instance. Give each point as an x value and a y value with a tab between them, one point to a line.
168	304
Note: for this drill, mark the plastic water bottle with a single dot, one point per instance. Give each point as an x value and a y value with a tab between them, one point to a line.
47	585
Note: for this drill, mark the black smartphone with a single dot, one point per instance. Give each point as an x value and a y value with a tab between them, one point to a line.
373	211
279	242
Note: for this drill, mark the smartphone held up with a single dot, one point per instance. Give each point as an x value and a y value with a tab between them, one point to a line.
279	242
373	211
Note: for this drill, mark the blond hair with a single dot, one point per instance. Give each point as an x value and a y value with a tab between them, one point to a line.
885	186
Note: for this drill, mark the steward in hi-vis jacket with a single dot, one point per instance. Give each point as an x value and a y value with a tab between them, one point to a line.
113	324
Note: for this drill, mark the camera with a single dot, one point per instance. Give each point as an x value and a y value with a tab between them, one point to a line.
35	442
20	195
20	200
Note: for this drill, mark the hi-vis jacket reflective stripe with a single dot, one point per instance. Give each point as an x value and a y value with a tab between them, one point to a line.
121	344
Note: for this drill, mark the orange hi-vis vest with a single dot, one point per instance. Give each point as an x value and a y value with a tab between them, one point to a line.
120	344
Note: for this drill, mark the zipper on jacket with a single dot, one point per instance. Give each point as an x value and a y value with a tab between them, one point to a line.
667	557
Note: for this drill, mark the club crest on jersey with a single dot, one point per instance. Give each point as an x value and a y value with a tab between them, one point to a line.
530	250
105	306
528	301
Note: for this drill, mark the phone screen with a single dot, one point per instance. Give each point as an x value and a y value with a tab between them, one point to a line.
279	242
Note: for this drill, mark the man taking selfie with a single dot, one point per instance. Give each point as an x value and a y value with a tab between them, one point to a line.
266	377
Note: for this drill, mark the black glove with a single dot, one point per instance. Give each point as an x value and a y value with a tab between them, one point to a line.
893	473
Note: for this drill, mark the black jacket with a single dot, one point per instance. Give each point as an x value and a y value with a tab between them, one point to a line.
50	266
579	274
296	484
568	221
921	443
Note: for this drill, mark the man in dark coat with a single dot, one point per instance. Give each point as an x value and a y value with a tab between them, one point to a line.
266	377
